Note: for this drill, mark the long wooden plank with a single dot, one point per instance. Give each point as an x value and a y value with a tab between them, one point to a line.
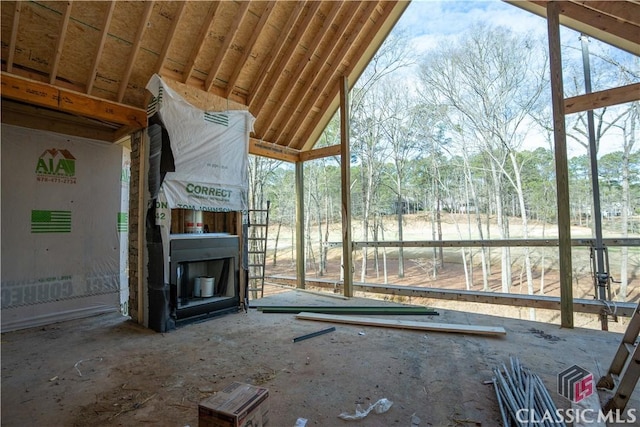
604	98
404	324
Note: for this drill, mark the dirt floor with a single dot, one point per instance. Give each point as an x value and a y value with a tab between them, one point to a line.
108	371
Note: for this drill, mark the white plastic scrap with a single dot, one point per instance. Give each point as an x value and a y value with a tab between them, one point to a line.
380	407
301	422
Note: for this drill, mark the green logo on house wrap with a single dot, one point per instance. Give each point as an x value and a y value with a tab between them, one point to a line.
56	166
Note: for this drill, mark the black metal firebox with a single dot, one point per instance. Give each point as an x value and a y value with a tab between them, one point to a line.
204	275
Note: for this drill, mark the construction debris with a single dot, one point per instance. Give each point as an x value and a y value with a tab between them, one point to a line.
314	334
380	407
523	398
404	324
391	310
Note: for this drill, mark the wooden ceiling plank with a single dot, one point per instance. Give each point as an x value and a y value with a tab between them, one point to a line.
106	23
319	153
601	99
202	36
297	73
250	44
622	10
169	37
272	151
14	36
276	73
274	53
228	39
135	48
62	32
322	85
351	11
382	26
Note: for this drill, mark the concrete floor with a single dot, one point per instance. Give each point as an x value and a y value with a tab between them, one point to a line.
106	370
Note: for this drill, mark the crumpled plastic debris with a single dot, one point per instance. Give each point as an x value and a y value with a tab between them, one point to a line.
301	422
380	407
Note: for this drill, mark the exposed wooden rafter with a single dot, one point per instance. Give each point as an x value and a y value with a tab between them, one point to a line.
14	36
135	48
66	14
228	39
103	38
202	36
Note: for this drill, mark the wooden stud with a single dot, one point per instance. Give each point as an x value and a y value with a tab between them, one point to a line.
228	39
562	174
300	245
135	48
62	32
103	38
345	173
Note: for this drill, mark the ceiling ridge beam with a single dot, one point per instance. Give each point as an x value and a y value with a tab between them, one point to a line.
62	33
275	74
135	48
202	36
46	95
231	34
249	48
297	73
275	52
106	23
322	61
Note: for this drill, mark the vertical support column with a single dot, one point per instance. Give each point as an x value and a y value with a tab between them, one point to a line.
345	172
137	244
562	170
300	261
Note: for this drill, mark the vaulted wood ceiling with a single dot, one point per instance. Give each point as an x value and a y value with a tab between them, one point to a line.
80	67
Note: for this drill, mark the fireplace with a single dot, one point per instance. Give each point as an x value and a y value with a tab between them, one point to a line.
204	275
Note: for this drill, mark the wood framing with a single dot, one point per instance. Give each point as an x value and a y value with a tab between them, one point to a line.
562	171
345	173
601	99
300	241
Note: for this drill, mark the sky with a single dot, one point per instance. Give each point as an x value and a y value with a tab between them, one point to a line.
431	23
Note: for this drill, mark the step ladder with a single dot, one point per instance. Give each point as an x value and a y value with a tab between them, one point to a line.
258	225
624	372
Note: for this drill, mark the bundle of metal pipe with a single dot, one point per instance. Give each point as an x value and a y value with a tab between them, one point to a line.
523	398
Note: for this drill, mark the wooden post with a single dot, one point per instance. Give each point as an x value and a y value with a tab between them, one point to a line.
345	171
300	261
562	173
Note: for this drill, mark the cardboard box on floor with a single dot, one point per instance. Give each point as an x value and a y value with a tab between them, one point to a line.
238	405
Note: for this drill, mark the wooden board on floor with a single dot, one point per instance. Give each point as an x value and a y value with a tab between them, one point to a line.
404	324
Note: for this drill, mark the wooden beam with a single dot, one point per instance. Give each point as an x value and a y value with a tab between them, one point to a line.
249	47
277	71
62	32
135	48
345	179
601	99
319	153
544	302
273	53
14	35
294	76
273	151
45	95
228	39
562	169
106	23
404	324
300	245
202	36
169	36
628	11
